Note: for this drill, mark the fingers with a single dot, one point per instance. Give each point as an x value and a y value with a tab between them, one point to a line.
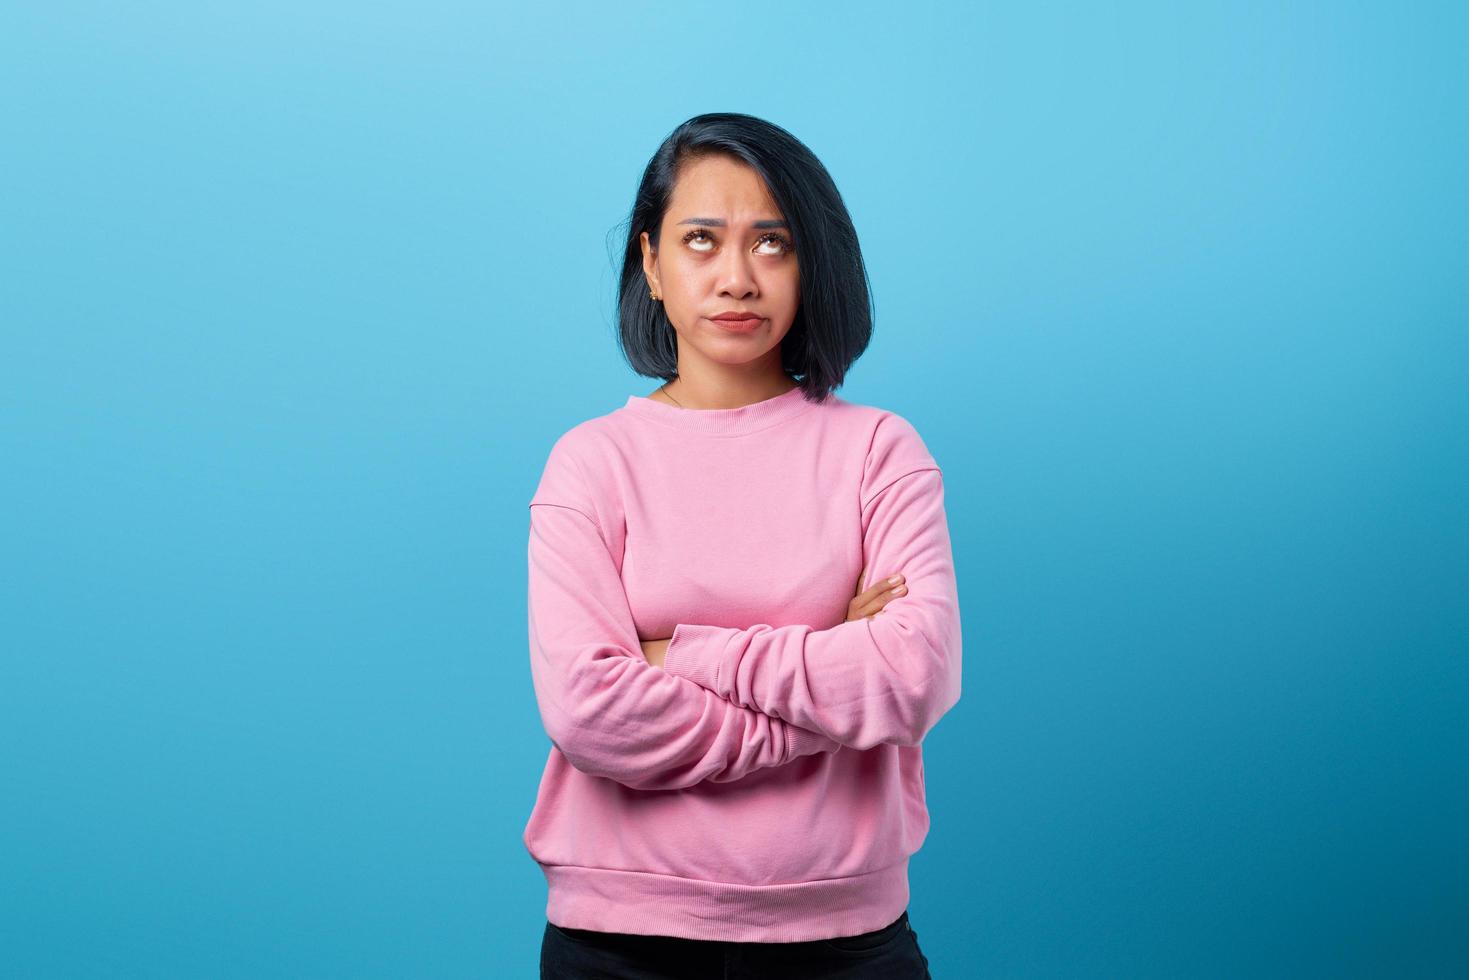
886	585
872	601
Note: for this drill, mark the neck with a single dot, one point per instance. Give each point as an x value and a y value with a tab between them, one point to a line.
688	393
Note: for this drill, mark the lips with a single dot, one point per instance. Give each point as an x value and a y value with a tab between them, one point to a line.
738	321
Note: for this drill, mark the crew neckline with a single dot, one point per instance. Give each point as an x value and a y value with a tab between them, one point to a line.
723	421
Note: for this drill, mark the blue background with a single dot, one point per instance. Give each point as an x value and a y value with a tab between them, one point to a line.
296	297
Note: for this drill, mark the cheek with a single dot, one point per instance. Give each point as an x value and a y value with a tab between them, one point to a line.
685	277
790	287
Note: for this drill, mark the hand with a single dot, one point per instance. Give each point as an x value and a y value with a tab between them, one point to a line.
655	650
870	603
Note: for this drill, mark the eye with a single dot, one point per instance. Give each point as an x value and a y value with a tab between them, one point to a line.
781	240
785	243
696	233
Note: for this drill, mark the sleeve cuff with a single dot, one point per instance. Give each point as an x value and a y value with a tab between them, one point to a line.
693	653
802	741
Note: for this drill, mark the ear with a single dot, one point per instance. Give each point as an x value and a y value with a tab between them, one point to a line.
650	263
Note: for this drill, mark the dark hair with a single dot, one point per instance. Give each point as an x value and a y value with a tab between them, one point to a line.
833	321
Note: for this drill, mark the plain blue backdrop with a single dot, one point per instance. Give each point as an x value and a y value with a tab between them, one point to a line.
297	296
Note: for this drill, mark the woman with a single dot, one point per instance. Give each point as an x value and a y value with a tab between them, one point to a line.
736	782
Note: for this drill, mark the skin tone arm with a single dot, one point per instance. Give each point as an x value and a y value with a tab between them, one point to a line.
863	605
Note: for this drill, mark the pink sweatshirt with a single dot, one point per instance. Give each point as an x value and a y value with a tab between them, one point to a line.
767	784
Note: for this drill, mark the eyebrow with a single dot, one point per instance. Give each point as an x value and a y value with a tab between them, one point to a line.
720	222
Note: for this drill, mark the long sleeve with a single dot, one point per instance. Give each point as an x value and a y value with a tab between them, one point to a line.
884	679
604	707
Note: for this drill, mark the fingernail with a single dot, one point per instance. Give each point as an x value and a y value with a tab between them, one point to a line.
895	580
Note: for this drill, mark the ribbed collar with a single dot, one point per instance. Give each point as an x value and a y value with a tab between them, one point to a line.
723	421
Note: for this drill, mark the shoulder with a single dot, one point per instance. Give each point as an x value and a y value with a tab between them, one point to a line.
587	440
886	433
569	477
579	440
894	447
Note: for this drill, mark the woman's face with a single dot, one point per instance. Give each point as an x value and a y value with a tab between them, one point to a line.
724	247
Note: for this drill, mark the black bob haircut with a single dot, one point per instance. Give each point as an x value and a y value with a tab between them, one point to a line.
833	322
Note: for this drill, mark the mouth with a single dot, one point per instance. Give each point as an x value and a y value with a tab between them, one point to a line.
740	324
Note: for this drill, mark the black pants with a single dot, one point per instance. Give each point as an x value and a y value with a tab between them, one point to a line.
890	953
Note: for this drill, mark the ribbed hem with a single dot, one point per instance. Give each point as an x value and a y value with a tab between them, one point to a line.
648	904
693	653
724	421
803	741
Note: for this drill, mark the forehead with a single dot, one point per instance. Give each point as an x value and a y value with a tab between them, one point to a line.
718	186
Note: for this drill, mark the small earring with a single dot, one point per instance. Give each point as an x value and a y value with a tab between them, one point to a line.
652	295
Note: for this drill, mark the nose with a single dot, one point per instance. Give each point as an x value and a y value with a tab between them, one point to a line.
736	279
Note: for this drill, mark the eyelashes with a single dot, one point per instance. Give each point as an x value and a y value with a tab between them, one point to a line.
785	243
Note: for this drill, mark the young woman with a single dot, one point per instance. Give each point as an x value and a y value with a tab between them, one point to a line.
736	780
